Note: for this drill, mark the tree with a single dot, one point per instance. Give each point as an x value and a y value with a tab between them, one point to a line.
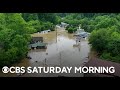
30	16
45	17
99	39
14	38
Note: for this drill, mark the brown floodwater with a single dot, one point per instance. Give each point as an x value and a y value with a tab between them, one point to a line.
62	50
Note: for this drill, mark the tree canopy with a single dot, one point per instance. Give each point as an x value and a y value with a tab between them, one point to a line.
15	30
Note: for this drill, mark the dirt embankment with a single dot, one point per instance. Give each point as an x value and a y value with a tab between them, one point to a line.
93	54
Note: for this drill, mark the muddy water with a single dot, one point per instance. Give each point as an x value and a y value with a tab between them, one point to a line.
62	50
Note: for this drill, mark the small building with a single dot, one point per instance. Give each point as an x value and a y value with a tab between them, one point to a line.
64	24
81	33
57	26
36	39
45	31
38	45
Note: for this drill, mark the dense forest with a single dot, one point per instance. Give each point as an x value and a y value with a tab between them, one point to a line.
15	30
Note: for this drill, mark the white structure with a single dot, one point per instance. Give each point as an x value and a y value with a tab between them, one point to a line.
57	26
64	24
81	33
79	30
46	31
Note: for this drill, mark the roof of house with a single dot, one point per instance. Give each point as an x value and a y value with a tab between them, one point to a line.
38	44
36	39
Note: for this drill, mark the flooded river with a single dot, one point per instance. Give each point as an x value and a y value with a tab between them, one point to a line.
62	50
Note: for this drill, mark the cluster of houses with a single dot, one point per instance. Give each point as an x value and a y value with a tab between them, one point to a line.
79	33
37	43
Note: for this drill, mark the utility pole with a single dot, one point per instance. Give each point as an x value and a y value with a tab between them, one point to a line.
60	59
56	33
56	37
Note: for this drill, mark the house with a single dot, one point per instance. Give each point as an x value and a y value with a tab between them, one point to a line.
64	24
81	33
36	39
46	31
57	26
80	30
38	45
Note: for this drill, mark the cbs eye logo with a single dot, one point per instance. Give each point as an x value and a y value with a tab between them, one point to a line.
5	69
13	69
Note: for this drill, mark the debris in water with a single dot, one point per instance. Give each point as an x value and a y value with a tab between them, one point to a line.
87	57
46	53
28	57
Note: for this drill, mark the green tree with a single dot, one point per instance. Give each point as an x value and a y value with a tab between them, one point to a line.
30	16
14	38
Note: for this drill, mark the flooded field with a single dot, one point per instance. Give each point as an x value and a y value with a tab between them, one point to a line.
61	51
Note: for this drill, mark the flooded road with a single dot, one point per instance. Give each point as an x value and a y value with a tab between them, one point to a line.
61	51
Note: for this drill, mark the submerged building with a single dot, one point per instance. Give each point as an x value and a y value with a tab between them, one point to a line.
36	39
81	33
37	43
